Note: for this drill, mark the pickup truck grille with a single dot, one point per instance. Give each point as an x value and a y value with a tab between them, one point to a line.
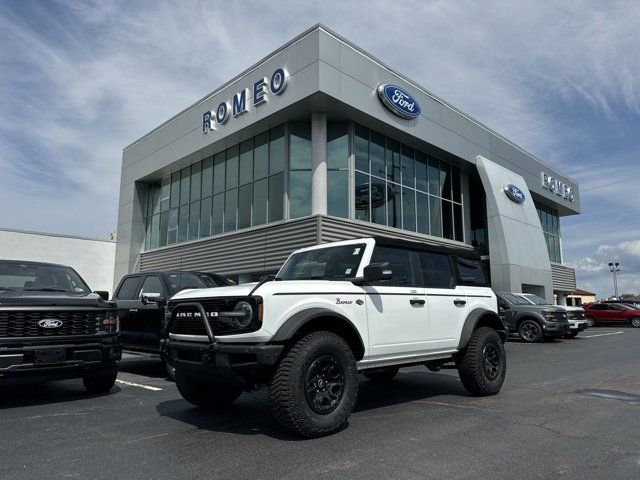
187	321
25	324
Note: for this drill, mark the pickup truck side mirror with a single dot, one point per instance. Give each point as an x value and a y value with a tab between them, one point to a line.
374	272
153	298
103	294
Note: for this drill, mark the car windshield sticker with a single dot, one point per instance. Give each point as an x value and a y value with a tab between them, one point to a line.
356	250
347	271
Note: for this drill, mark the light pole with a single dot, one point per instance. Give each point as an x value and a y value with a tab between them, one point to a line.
613	266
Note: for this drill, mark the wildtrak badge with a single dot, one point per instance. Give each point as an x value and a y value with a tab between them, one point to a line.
238	104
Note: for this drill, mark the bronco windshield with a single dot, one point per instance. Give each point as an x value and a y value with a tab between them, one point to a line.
39	277
323	263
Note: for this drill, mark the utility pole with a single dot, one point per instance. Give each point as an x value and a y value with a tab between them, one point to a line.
613	266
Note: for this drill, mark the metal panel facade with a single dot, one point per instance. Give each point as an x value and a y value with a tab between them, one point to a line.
564	278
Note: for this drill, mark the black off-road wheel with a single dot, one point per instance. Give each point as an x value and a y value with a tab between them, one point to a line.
383	375
203	394
314	386
482	365
100	384
530	331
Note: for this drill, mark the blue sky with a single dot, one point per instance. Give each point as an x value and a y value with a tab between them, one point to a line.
80	80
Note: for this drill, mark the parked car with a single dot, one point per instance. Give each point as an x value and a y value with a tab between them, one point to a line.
600	313
532	322
370	305
575	315
141	321
53	327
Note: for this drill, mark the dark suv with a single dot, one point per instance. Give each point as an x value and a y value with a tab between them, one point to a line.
532	322
53	327
141	300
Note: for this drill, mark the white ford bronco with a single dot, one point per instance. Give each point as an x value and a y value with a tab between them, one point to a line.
367	306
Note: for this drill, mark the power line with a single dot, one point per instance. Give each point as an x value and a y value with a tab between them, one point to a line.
609	184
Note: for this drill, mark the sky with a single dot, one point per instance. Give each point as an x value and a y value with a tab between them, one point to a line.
80	80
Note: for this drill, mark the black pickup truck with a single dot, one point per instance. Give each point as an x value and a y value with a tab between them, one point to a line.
53	327
141	300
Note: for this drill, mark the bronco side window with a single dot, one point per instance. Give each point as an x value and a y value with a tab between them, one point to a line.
401	265
436	270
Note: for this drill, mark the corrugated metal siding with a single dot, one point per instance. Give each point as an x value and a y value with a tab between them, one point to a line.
333	229
564	278
237	252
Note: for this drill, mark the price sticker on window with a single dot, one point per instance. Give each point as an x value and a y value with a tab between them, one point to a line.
356	251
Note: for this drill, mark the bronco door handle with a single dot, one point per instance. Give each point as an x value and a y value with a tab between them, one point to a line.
459	303
415	301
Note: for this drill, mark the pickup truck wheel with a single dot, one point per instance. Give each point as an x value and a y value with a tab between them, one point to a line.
635	322
482	365
530	331
314	387
99	384
203	394
382	376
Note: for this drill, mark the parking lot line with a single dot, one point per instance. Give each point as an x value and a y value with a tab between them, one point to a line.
139	385
602	334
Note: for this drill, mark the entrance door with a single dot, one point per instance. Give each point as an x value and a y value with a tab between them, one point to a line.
397	310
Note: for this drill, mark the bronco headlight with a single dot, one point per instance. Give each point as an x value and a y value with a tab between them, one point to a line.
242	307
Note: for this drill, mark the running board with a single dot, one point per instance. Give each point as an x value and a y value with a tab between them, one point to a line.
403	361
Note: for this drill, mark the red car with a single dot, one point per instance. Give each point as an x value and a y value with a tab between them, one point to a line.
602	313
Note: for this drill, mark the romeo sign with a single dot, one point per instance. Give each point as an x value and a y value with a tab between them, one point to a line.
274	85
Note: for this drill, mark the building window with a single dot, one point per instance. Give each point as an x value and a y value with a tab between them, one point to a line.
398	186
338	169
299	169
550	222
233	189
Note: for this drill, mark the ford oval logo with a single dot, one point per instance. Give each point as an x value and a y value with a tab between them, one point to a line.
399	101
50	323
514	193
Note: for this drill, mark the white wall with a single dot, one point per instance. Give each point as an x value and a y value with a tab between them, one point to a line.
93	259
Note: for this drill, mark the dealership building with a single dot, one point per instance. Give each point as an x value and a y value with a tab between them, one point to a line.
320	141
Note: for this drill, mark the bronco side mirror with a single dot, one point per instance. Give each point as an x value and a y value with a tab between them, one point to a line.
375	272
153	298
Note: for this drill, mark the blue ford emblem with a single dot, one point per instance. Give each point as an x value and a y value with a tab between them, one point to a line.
50	323
399	101
514	193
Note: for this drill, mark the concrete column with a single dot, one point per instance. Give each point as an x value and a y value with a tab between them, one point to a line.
318	163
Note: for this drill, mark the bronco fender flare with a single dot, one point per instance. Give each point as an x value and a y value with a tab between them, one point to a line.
298	320
477	318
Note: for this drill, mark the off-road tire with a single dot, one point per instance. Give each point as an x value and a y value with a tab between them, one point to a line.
203	394
635	322
571	335
591	322
289	382
530	325
382	376
100	384
471	363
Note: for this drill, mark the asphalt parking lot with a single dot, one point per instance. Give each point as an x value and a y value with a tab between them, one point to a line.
423	425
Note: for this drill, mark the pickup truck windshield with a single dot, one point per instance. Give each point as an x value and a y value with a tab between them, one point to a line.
513	299
323	263
535	299
24	276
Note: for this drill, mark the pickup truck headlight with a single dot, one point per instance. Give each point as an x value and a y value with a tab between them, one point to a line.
108	322
550	316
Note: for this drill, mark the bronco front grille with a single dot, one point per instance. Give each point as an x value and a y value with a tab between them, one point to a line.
188	321
25	323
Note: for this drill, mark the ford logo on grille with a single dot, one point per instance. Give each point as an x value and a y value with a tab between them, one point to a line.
50	323
399	101
514	193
